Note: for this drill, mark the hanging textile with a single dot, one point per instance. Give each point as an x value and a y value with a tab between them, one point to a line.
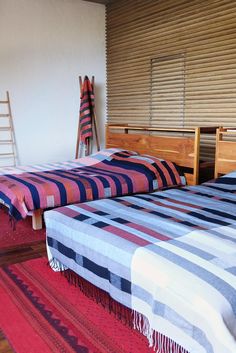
86	112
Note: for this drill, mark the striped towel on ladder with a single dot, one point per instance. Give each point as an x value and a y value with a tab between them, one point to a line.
86	112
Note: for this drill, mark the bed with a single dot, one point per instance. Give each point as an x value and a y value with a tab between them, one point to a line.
116	172
179	145
170	256
225	151
30	190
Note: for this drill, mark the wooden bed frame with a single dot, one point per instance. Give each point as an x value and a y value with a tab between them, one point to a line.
225	159
183	150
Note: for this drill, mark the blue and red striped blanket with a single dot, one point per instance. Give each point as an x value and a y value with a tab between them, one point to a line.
106	174
87	107
170	256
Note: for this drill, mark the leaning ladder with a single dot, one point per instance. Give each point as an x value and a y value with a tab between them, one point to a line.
7	136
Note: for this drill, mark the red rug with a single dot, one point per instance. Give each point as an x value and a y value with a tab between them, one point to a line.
22	234
41	312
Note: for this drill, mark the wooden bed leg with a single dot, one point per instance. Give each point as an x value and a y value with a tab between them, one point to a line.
37	220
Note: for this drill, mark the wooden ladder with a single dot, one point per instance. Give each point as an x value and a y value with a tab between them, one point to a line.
7	136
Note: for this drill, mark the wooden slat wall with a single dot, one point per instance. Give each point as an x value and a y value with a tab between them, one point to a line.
203	31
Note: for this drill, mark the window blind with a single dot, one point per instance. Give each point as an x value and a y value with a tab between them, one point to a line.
167	91
139	33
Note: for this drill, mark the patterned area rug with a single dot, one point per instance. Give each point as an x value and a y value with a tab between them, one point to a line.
42	312
22	234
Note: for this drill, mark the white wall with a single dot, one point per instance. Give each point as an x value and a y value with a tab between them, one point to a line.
44	46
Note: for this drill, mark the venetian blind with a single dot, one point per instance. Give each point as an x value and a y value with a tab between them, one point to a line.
140	32
167	91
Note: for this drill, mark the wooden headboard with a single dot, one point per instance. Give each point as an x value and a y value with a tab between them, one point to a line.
183	150
225	160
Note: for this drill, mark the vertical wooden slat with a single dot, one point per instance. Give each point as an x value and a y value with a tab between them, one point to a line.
196	156
218	139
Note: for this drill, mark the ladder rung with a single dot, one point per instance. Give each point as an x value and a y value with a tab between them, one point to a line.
6	154
5	128
6	142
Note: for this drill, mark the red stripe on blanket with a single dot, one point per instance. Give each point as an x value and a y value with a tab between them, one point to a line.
126	235
148	231
66	211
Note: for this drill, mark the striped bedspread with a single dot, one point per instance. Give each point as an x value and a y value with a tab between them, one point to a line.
106	174
75	163
170	256
87	106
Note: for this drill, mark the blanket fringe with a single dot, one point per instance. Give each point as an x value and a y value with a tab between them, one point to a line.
96	294
159	342
11	220
56	265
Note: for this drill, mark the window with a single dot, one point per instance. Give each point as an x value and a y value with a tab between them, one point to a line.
167	91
